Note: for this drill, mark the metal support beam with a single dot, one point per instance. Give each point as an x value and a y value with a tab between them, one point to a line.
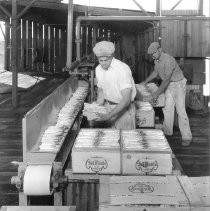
14	54
141	8
69	33
25	9
176	4
5	11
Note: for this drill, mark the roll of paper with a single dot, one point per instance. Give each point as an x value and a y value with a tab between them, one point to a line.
37	180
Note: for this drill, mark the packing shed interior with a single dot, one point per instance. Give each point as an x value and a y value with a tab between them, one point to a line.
42	47
42	37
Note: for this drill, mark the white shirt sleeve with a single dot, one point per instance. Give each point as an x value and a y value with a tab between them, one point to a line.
125	78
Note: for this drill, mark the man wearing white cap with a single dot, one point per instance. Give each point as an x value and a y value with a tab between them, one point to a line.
174	85
115	87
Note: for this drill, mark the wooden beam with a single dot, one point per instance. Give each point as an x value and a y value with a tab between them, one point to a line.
25	9
42	4
185	39
14	54
158	8
5	11
6	41
69	33
200	7
142	9
176	4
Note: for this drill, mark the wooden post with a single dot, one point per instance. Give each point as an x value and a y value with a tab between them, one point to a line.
6	43
34	45
200	7
23	45
40	47
185	38
158	8
56	51
95	34
27	44
14	54
69	33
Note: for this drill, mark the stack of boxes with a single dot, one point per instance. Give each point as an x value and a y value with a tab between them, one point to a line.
141	162
145	114
125	152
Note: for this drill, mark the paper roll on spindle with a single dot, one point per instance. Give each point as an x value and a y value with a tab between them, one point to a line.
37	180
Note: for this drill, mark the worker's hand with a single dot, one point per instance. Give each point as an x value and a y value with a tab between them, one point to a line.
143	83
154	99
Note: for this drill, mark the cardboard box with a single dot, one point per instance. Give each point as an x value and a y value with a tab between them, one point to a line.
145	152
97	151
202	187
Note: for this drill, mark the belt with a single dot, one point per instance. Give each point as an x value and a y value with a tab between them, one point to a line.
111	103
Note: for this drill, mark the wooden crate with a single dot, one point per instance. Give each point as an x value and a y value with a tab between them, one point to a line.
145	152
150	208
98	151
155	191
145	115
202	186
38	208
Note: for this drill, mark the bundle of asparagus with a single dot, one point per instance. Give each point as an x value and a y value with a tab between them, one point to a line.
54	136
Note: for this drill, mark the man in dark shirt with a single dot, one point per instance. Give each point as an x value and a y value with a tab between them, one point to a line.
174	85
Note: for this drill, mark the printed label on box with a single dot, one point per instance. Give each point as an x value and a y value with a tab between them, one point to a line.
96	164
146	166
141	188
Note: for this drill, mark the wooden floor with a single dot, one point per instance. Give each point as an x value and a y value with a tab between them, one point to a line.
11	131
195	160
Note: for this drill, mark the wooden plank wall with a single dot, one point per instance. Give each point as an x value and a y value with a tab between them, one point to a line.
144	39
41	48
198	33
173	37
173	34
198	43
